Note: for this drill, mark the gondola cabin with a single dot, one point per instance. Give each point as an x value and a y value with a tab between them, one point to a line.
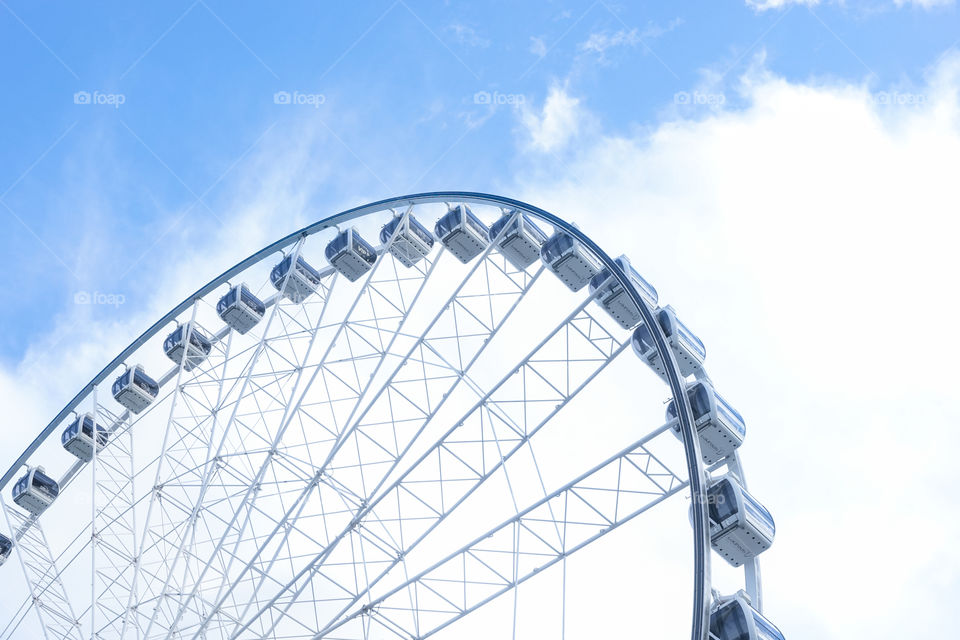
302	281
35	491
613	297
240	309
735	619
176	345
740	527
462	233
720	428
408	240
135	390
6	548
572	262
687	347
77	438
350	254
521	239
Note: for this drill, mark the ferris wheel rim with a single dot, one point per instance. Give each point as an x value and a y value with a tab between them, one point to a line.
696	469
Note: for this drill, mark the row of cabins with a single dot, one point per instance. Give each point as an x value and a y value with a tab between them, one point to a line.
741	528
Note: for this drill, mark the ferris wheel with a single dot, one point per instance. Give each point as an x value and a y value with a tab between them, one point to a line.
381	426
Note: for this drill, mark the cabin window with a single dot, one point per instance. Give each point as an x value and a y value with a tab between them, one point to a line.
722	500
729	623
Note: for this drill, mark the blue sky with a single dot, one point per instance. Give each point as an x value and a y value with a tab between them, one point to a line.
784	171
397	80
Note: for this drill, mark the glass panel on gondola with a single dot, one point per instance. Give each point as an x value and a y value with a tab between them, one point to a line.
350	254
699	396
521	242
35	491
135	390
301	282
740	527
615	299
462	233
729	622
411	241
722	498
240	309
572	262
737	620
78	439
175	345
718	433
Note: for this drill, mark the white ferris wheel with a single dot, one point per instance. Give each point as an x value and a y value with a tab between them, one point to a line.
396	418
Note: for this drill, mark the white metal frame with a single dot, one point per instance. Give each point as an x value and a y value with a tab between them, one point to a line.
233	554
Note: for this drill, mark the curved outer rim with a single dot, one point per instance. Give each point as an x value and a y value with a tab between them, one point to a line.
695	467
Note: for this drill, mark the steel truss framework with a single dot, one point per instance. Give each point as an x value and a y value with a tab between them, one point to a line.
294	472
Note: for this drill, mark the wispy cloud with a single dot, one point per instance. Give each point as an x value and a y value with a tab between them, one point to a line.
467	36
766	5
601	42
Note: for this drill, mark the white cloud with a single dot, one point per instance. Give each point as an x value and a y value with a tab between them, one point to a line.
926	4
809	239
764	5
467	36
552	127
600	42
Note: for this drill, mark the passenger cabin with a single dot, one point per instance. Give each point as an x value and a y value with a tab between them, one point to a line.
687	347
35	491
719	427
175	346
135	390
302	281
735	619
521	241
6	548
411	241
462	233
350	254
240	309
77	438
740	527
572	262
613	297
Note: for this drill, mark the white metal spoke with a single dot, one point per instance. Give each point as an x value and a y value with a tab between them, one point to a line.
316	472
48	595
597	502
332	486
464	458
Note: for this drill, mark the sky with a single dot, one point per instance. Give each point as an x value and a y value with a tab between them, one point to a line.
783	170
